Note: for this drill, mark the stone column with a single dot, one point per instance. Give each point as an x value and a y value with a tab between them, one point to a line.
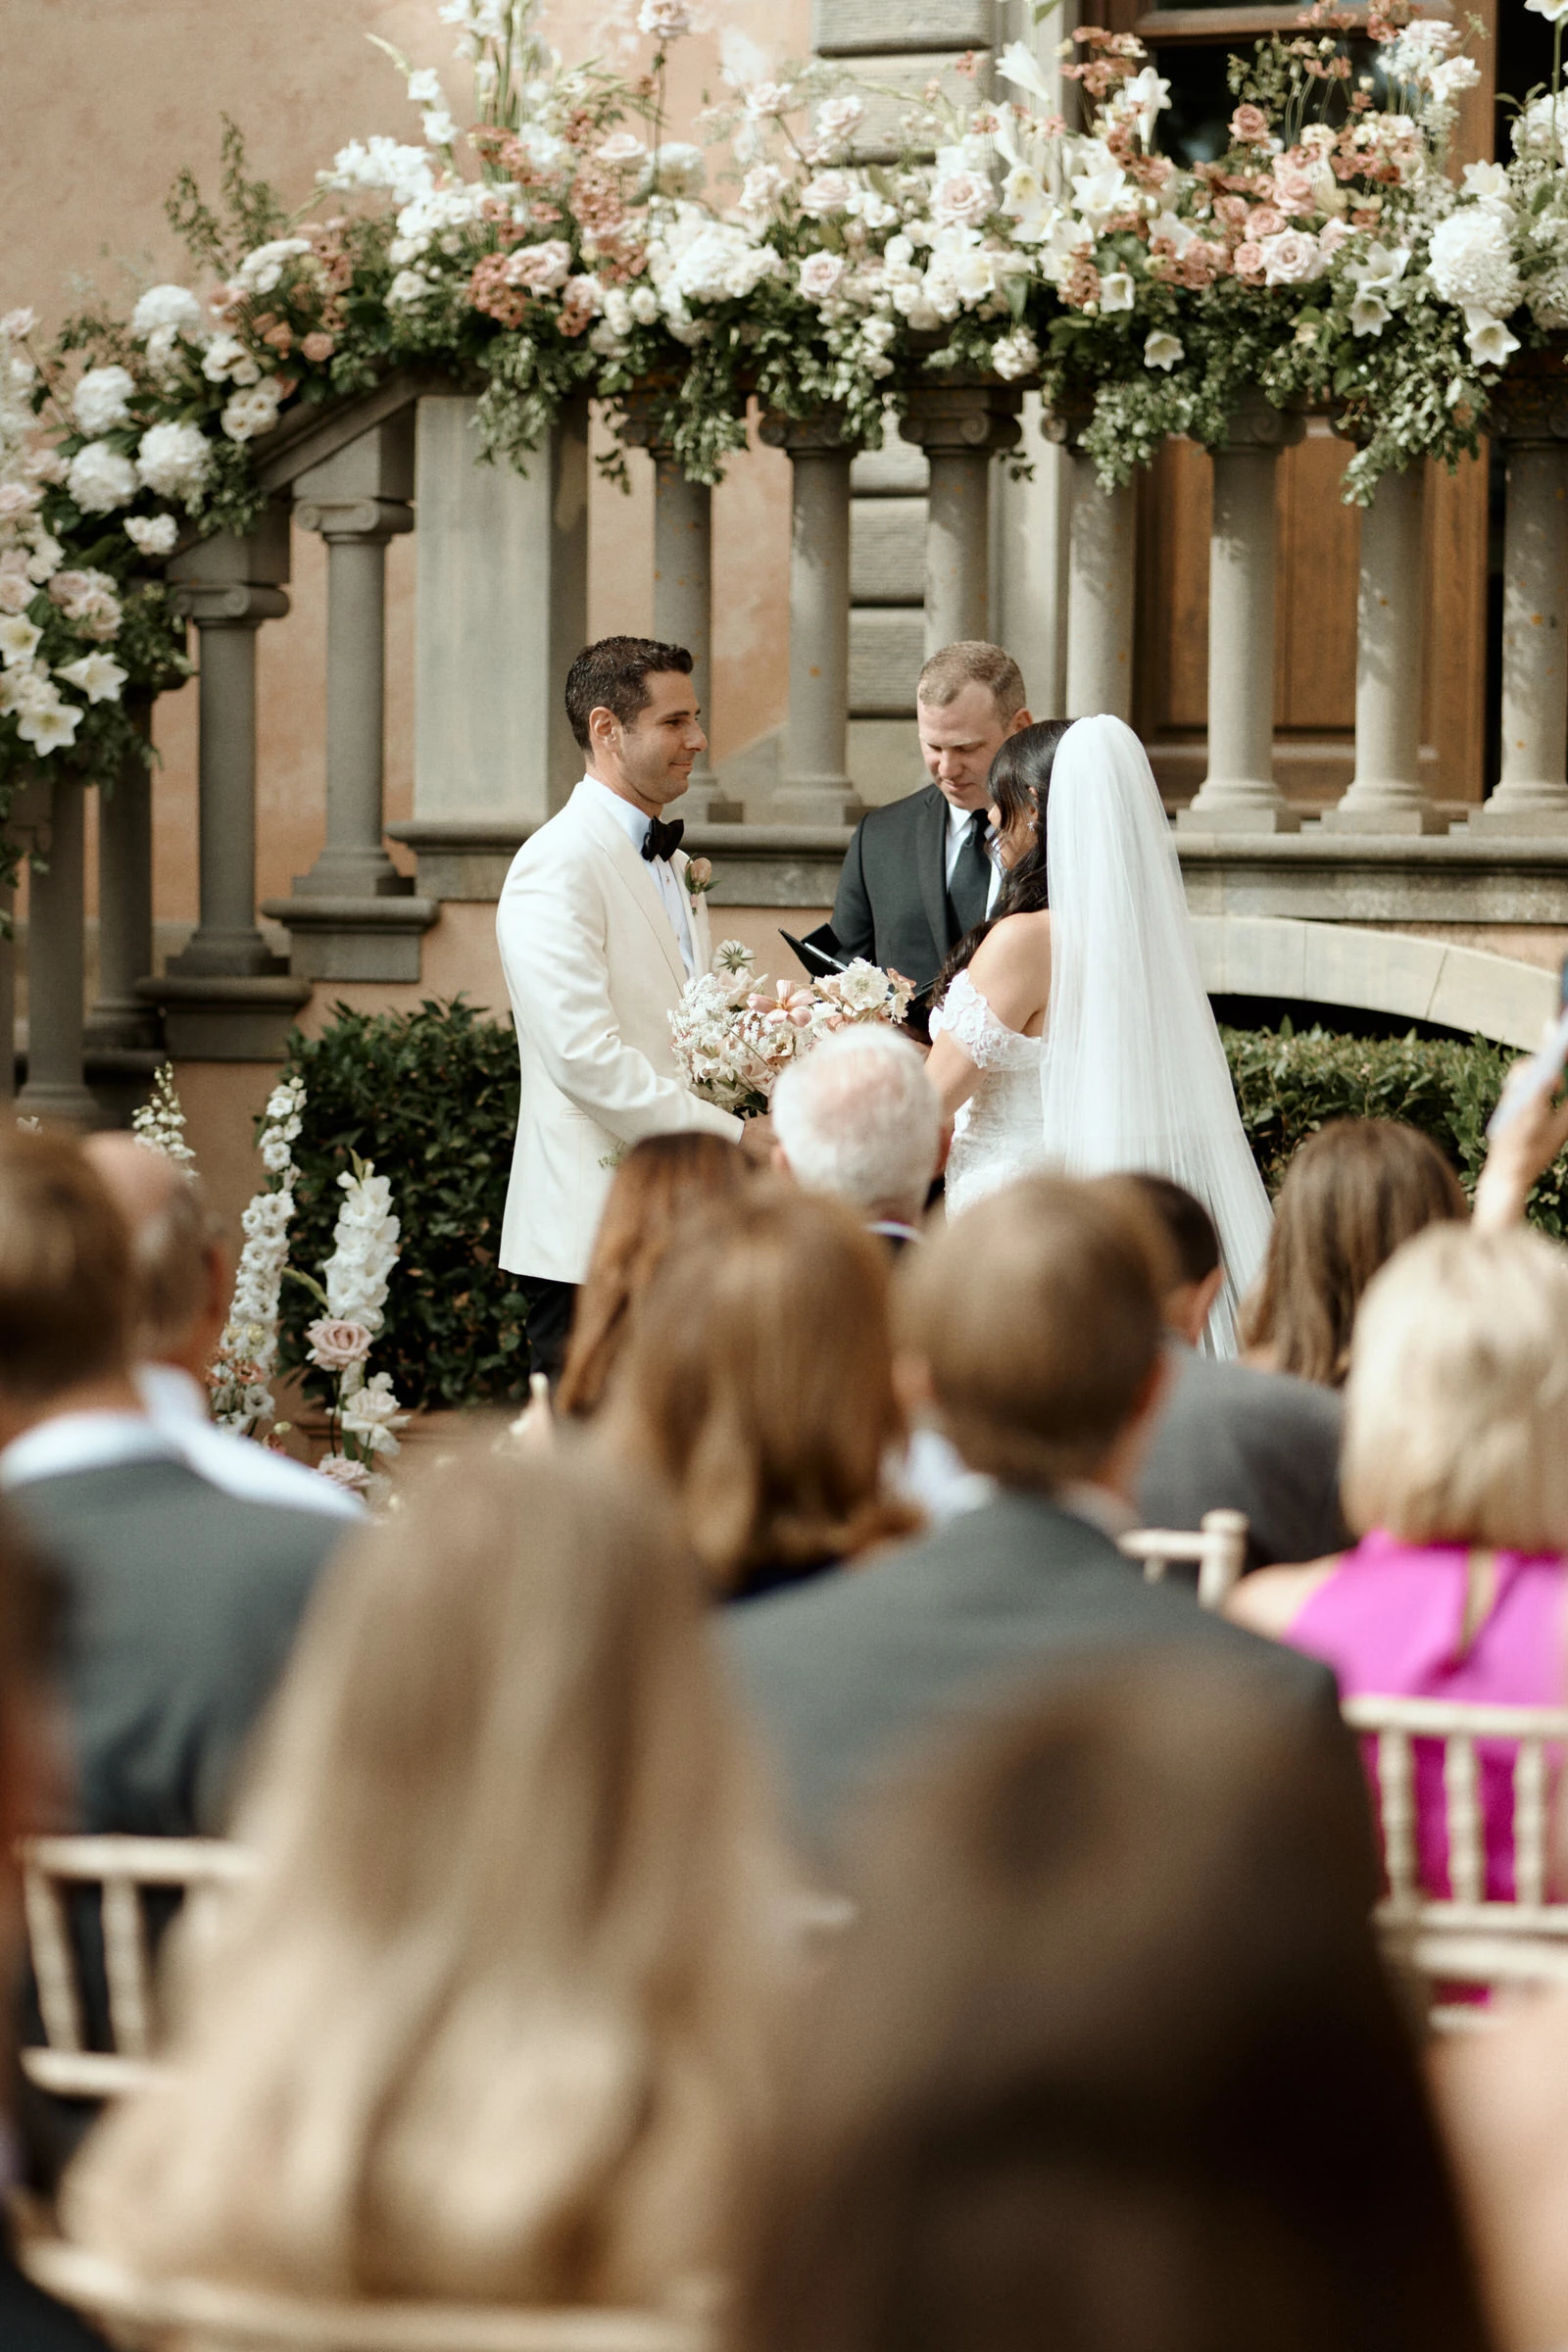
816	788
226	997
960	426
1387	794
1530	414
1101	582
1239	795
56	1087
121	1018
354	916
683	591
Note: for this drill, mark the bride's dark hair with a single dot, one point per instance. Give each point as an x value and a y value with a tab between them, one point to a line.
1018	781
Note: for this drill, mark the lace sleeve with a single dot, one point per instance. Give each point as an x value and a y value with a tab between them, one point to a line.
966	1016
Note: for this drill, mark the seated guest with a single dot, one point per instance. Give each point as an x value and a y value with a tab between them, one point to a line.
181	1279
1230	1437
490	2023
1503	2098
656	1181
859	1118
1108	2060
182	1599
1042	1355
28	2321
756	1381
1456	1475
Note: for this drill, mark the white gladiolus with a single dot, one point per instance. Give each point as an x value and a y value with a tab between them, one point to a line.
102	398
173	460
101	479
248	1350
159	1123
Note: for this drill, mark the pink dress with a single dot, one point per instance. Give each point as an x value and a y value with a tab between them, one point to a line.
1391	1622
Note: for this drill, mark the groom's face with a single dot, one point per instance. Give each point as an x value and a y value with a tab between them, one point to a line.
959	740
649	760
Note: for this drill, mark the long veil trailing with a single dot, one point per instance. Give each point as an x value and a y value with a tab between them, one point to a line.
1134	1075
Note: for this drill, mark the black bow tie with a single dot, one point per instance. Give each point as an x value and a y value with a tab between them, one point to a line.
662	840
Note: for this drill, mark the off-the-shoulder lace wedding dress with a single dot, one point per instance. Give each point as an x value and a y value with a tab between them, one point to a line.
998	1134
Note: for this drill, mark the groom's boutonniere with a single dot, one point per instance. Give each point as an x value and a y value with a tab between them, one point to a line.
698	877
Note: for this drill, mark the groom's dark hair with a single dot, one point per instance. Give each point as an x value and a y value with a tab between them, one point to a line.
614	674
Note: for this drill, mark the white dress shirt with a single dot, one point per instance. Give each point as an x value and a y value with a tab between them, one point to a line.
72	1442
177	1411
958	827
634	823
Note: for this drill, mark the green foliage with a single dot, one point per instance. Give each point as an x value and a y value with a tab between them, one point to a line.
253	212
431	1097
1289	1084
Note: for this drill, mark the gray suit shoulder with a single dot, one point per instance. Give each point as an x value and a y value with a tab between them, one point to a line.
1262	1443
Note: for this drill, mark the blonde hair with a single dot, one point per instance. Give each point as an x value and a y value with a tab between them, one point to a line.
1041	1346
757	1380
1457	1407
488	2026
971	661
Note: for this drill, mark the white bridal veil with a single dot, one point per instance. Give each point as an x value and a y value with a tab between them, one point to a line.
1134	1076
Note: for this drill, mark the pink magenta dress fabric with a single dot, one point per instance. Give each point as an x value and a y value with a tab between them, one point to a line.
1390	1621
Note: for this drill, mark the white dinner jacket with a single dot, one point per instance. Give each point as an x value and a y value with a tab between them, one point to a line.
594	970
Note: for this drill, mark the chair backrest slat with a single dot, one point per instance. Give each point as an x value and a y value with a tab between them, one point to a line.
1396	1786
1467	1870
1530	1822
54	1960
1218	1552
126	1969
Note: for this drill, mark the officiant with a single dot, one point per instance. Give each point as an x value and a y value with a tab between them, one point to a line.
918	874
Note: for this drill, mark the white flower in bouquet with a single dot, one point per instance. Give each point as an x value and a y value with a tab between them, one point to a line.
19	641
88	600
1488	340
1472	262
1291	258
49	725
723	264
102	398
333	1344
95	676
820	274
1488	185
1018	64
174	459
251	412
100	478
962	199
665	20
346	1470
679	170
239	1380
168	309
152	534
380	162
262	270
1015	354
1163	350
365	1248
159	1123
1117	290
828	193
373	1414
226	361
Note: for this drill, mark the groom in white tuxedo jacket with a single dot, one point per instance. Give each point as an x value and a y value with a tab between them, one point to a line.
599	934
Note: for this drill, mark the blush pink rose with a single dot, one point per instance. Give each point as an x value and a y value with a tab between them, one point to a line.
1247	260
335	1343
1263	221
1293	189
318	347
1249	122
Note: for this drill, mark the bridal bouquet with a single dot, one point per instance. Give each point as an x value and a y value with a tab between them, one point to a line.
733	1033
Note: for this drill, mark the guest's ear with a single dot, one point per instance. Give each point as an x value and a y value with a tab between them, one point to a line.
1020	720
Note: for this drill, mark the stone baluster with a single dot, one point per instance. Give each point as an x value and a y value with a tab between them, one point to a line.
817	787
683	590
1239	795
56	1087
226	997
960	426
120	1017
1386	794
1530	415
354	916
1101	582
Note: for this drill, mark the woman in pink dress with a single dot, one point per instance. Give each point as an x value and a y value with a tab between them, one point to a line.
1455	1473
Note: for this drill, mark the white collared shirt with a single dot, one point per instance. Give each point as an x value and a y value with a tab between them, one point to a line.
178	1410
634	823
958	828
72	1442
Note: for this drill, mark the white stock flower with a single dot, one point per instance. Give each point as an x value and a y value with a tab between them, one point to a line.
665	20
100	478
263	268
1472	262
174	459
102	398
168	309
364	1250
405	173
19	641
226	361
1163	350
251	412
1490	341
152	534
95	676
1117	291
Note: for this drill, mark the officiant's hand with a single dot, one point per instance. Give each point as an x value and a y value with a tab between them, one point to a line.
757	1141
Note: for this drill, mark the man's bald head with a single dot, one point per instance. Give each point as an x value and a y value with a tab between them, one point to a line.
177	1263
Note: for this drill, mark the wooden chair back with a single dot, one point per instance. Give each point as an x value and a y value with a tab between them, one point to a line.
1466	1936
1219	1552
179	2313
126	1869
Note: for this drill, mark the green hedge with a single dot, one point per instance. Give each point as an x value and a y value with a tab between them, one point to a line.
431	1097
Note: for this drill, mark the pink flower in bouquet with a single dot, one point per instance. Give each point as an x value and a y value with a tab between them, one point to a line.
542	269
787	1003
344	1471
1248	261
1249	122
335	1345
318	347
1293	189
1263	221
17	498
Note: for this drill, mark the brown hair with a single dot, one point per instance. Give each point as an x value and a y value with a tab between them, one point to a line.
613	675
758	1379
65	1269
659	1182
489	2022
971	661
1108	2058
1350	1195
1041	1346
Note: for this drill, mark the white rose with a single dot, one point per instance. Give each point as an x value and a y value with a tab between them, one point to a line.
100	478
828	193
962	199
838	119
171	310
406	288
1163	350
152	534
102	398
820	274
96	676
1291	258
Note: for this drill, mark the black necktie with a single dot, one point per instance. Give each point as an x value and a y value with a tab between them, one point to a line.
662	840
970	886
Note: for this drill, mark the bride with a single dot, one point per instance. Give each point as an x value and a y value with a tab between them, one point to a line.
1081	1037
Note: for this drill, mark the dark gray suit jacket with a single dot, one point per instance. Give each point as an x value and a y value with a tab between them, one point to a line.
892	903
182	1603
1234	1439
848	1675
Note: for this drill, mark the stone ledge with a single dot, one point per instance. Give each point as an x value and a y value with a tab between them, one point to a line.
1417	979
354	939
226	1017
